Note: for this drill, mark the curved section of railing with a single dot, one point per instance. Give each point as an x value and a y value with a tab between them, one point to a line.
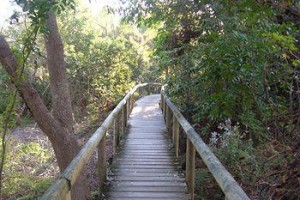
174	118
61	189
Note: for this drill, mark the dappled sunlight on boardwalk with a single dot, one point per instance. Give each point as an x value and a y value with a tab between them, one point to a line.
145	167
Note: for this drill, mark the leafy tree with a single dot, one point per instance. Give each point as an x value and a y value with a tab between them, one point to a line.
102	62
58	124
230	53
231	60
102	59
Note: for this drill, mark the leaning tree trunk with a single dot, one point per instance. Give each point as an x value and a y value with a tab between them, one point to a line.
61	100
57	126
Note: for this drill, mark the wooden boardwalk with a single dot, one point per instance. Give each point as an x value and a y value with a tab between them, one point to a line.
145	167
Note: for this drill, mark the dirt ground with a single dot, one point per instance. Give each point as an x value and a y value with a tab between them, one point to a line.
23	135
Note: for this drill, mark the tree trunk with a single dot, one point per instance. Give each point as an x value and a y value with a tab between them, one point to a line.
57	126
61	100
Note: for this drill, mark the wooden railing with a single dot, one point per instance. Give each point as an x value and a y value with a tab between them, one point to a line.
61	189
174	119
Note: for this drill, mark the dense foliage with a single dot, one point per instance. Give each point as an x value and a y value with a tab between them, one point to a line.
235	63
104	60
232	67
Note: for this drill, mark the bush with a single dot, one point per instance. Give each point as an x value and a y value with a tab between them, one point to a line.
29	170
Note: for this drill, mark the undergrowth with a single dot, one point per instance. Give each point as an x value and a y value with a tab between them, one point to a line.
269	170
30	168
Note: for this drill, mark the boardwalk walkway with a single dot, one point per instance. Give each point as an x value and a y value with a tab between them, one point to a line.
145	167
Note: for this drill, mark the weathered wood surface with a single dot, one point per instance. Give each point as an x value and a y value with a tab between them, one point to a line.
229	186
145	167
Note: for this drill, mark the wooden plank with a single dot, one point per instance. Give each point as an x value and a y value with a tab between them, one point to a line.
141	141
173	189
149	156
132	129
148	194
153	144
147	184
155	162
145	123
128	166
139	154
138	198
144	174
144	170
229	186
155	120
145	167
146	160
147	151
149	179
147	118
146	137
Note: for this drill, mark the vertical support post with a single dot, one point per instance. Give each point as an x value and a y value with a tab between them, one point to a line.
123	119
116	133
167	118
68	196
132	102
190	167
170	125
165	108
148	88
173	128
176	135
162	103
128	107
125	115
140	92
102	163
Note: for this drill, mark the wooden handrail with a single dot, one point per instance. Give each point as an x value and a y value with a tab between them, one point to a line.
61	189
173	117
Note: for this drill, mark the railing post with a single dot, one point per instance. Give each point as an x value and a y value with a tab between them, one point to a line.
158	87
140	92
102	163
148	88
190	167
167	118
162	103
125	114
165	107
123	119
176	135
68	196
128	107
173	128
132	100
170	125
116	133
